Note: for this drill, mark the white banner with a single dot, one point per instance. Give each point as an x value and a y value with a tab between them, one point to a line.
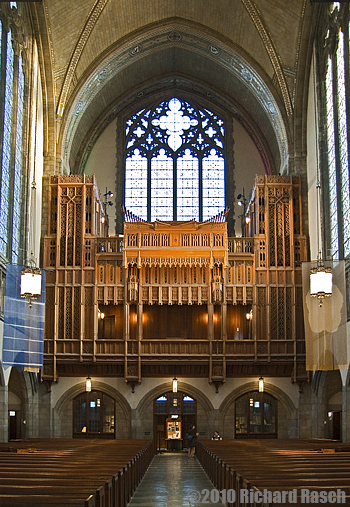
325	326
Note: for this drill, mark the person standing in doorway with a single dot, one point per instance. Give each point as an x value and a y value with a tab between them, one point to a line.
192	437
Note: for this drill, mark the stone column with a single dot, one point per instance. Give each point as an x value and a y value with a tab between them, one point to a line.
311	414
45	413
345	430
4	398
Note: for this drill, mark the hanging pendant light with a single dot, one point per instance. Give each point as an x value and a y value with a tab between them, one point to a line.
320	283
31	276
261	384
174	385
30	284
88	384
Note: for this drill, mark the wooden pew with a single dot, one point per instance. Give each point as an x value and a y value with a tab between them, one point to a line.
87	473
277	465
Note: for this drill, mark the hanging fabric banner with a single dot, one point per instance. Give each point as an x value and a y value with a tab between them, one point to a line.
23	343
325	326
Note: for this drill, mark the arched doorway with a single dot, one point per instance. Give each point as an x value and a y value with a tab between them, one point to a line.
174	413
14	416
256	415
334	419
93	415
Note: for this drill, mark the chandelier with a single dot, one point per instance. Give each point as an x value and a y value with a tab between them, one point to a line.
30	284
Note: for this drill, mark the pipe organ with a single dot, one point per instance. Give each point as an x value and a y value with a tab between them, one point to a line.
168	296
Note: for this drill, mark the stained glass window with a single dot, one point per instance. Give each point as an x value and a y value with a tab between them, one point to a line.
187	187
136	184
337	143
175	167
213	184
18	166
161	187
343	144
6	151
331	161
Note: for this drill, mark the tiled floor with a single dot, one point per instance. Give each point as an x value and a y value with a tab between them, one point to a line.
173	480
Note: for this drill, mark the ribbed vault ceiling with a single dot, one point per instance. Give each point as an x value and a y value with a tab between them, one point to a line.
241	56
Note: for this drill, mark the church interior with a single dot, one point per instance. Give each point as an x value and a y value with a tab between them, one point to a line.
173	173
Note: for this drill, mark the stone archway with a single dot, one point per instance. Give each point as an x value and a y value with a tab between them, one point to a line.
286	409
143	417
63	410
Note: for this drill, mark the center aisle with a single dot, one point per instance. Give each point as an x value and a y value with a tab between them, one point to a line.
173	480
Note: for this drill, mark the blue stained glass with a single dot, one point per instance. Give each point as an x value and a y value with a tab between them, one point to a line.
16	221
185	136
6	150
136	184
161	187
213	185
343	143
0	40
187	187
331	162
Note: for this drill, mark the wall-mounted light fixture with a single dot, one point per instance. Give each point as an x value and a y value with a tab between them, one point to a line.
88	384
242	200
249	316
174	385
106	195
30	284
100	315
261	385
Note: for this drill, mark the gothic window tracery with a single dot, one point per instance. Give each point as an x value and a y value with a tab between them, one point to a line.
18	165
337	135
175	167
12	85
6	150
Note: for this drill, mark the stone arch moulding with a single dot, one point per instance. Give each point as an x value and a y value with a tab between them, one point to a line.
198	395
275	391
79	388
2	376
157	39
19	384
164	88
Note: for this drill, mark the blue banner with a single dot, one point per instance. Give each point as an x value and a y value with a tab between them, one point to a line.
23	344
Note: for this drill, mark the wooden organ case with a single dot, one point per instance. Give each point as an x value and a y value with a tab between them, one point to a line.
174	296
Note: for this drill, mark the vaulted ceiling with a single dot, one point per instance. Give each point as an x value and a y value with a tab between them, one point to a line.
246	57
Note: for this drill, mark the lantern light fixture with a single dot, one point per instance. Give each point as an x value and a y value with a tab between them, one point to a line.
30	284
88	384
174	385
321	283
261	384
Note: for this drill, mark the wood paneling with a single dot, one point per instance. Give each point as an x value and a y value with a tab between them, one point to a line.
168	322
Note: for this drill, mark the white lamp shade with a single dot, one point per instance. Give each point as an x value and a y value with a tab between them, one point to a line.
88	385
320	282
30	283
261	385
174	385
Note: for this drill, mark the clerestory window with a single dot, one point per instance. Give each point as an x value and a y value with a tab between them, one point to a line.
174	164
337	138
12	86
